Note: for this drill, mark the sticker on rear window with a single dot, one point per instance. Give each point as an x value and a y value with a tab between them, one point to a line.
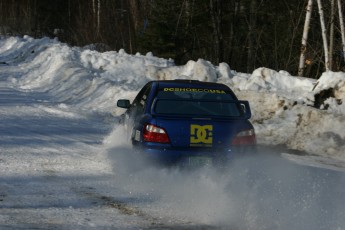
201	135
195	90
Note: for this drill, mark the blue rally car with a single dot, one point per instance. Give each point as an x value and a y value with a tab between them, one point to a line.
189	122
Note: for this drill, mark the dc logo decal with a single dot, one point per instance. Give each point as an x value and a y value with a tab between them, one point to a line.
201	135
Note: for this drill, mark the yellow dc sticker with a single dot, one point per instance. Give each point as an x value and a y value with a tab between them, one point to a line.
201	135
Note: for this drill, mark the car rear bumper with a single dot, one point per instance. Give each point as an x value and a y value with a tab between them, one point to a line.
167	155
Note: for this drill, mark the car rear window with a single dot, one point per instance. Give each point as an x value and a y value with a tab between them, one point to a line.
196	102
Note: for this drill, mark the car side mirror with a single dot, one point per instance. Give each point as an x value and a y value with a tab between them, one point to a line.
246	109
123	103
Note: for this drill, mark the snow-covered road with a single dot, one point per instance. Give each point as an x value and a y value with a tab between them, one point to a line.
56	173
59	170
51	167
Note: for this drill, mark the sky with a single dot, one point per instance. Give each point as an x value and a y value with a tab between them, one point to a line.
61	148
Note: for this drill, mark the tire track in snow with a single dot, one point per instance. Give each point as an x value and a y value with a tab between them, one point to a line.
130	210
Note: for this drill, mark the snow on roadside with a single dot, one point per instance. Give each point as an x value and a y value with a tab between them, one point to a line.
86	81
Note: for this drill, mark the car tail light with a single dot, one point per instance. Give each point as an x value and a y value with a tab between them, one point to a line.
154	133
246	137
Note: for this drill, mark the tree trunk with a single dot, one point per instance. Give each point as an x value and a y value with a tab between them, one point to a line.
324	34
331	37
342	29
94	15
251	36
99	17
305	38
216	17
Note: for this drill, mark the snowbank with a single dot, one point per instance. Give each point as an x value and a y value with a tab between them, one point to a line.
86	81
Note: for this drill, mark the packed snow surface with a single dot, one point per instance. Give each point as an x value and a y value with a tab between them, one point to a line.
63	160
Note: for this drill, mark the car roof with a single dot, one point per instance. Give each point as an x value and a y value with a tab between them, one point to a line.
190	84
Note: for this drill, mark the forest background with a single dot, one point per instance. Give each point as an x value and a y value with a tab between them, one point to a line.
246	34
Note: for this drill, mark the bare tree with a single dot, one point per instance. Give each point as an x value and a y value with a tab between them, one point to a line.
98	16
216	17
324	34
331	36
342	29
305	38
94	11
251	35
